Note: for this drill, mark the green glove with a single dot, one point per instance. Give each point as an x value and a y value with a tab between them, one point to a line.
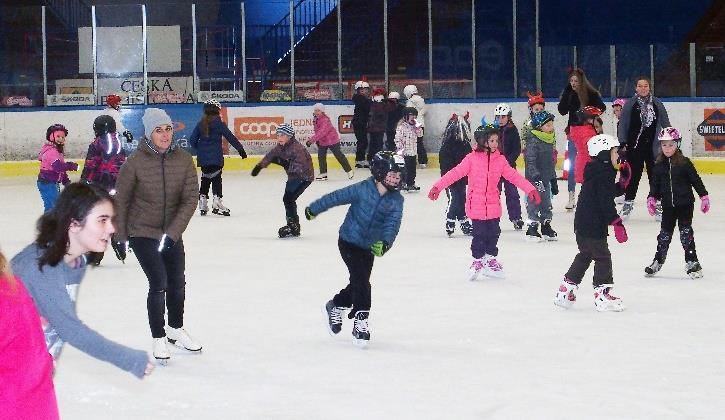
308	214
379	248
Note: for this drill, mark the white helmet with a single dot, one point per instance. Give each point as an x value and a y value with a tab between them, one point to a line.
409	91
600	143
394	95
669	133
361	84
502	109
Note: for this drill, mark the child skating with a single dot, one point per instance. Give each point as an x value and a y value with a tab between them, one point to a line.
53	166
484	167
297	162
539	156
595	212
326	138
369	230
406	142
674	177
511	149
456	145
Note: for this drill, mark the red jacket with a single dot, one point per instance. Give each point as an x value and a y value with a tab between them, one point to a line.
26	367
580	135
325	134
484	170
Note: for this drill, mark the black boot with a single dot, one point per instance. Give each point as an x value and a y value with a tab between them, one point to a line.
292	229
547	232
450	226
361	331
467	227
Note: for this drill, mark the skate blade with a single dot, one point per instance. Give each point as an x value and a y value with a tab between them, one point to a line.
176	343
473	276
494	276
162	362
563	305
696	275
550	238
359	343
610	308
534	239
646	274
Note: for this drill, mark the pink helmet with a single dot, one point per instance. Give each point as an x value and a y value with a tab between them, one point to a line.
619	101
669	133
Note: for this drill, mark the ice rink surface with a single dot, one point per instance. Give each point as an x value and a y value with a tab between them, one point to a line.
441	348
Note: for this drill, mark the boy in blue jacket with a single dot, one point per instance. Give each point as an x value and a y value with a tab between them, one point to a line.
369	230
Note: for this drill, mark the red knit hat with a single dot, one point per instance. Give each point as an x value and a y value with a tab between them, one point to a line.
536	99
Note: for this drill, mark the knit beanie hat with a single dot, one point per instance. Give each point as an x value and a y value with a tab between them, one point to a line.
319	106
287	129
152	118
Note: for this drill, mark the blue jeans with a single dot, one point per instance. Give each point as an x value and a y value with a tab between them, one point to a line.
571	181
49	192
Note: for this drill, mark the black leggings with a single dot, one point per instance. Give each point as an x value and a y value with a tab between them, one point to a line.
410	169
671	216
361	147
211	175
376	145
639	159
292	191
359	263
167	282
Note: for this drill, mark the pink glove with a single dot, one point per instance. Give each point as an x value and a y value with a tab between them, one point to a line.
625	175
651	206
619	231
705	203
434	193
534	196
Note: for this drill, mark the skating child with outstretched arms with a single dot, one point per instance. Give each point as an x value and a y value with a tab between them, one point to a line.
369	230
484	167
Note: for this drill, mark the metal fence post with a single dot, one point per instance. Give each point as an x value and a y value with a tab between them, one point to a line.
144	43
45	59
339	48
94	46
473	45
537	48
652	67
194	74
385	44
292	47
574	57
613	71
244	52
693	71
430	47
516	70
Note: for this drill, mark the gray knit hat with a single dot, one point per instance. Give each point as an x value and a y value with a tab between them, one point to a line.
287	129
154	117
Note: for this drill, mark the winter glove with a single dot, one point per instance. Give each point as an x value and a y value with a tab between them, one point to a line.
166	243
554	187
534	196
71	166
625	175
308	214
128	135
705	203
434	193
242	153
64	179
379	248
539	186
651	205
256	170
121	249
619	231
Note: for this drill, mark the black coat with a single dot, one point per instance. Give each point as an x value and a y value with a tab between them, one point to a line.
569	104
673	184
362	110
395	113
510	143
595	209
451	154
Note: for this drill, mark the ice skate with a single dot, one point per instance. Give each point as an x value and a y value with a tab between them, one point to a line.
321	177
566	295
450	227
334	316
180	338
475	270
217	207
412	188
658	211
694	270
361	332
604	301
518	224
653	268
161	351
291	230
467	227
422	166
547	232
619	200
532	233
627	208
350	174
203	204
572	201
362	164
492	268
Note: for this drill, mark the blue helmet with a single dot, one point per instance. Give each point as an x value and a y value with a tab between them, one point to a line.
541	118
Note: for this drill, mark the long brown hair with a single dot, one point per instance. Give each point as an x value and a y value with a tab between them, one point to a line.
677	159
210	112
585	89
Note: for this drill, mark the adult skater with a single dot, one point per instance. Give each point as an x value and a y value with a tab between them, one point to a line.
361	113
577	94
377	123
207	140
416	101
53	267
395	113
369	230
643	117
156	197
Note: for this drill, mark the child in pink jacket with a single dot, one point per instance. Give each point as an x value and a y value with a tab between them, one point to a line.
26	367
326	138
53	166
484	167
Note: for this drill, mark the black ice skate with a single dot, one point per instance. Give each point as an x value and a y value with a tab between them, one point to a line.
518	224
694	270
547	232
334	317
653	268
360	332
467	227
291	230
450	227
532	233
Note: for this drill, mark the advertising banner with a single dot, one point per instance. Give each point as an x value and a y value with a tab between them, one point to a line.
70	99
221	95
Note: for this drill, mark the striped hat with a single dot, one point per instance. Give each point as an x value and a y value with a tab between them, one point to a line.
287	129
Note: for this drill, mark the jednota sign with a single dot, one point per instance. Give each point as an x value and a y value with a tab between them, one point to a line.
257	128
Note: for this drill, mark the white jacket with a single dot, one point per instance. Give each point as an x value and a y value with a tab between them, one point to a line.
416	101
406	139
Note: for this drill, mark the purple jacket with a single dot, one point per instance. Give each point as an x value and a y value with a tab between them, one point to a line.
294	158
53	166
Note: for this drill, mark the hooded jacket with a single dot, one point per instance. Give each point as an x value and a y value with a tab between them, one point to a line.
539	157
325	133
595	209
673	184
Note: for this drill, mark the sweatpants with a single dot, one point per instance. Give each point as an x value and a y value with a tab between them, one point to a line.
356	294
422	153
390	140
591	249
361	146
485	237
167	282
410	169
639	159
292	190
513	201
335	149
49	192
211	176
542	211
571	180
456	194
671	216
376	145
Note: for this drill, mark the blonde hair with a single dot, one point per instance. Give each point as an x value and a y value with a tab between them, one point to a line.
5	274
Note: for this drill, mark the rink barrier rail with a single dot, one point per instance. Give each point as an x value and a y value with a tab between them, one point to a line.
704	165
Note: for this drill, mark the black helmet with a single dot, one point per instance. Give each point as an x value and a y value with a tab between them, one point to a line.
386	161
482	134
409	110
104	124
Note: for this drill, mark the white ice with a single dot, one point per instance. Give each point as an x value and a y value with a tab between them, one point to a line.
442	347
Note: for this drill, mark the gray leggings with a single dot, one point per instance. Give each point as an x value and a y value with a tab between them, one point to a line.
322	156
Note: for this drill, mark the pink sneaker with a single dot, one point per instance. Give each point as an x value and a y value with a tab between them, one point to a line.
476	267
492	268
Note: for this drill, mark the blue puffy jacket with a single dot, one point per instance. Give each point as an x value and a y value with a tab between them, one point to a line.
209	148
371	217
